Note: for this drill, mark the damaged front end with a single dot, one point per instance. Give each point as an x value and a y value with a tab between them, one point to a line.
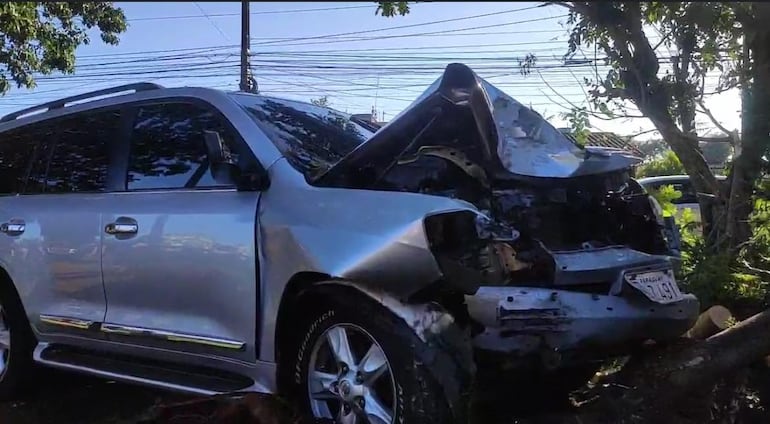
567	255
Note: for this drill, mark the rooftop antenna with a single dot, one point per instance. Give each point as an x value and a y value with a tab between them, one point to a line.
376	94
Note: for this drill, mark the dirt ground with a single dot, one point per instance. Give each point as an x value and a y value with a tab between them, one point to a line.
66	398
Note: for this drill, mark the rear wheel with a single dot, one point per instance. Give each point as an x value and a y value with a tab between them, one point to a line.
356	362
16	345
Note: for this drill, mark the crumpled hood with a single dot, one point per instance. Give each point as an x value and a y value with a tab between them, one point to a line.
513	141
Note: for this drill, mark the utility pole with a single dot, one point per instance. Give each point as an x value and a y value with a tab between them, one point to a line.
245	28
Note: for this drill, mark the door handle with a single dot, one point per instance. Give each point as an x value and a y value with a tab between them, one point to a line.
122	226
13	227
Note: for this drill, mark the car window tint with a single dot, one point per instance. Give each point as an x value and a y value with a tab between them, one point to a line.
312	138
17	148
77	158
688	193
168	148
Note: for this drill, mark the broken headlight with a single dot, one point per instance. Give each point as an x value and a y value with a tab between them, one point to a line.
466	247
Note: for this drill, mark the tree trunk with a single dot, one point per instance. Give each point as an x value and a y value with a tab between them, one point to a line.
701	178
649	389
747	166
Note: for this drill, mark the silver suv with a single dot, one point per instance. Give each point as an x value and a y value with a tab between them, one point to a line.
209	242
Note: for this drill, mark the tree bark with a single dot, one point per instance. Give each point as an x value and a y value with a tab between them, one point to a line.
747	166
650	389
713	320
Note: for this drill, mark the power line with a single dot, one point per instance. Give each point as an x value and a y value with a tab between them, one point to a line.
321	39
211	21
264	12
369	31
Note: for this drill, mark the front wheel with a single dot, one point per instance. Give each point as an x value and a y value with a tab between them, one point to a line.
356	362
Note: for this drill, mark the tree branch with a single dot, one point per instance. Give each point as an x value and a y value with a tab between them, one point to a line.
642	133
711	117
758	272
559	3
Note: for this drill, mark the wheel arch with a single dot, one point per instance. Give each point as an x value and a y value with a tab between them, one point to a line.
422	318
447	350
8	288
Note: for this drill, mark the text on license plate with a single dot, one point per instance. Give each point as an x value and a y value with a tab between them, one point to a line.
658	286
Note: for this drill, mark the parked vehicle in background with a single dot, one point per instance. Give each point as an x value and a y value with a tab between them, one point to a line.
203	241
681	183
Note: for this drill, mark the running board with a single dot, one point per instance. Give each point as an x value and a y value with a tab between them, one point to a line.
168	376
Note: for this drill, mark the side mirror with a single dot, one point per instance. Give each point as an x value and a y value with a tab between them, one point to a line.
216	148
225	168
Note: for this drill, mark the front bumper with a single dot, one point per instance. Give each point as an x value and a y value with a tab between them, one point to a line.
521	321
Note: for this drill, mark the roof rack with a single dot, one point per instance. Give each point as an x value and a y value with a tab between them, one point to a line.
58	104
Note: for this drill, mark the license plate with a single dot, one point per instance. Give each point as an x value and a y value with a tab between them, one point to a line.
658	286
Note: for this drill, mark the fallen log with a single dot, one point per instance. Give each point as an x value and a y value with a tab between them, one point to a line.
651	387
713	320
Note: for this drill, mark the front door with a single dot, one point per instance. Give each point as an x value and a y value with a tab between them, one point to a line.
179	257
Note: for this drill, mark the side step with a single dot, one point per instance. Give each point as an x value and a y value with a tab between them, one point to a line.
169	376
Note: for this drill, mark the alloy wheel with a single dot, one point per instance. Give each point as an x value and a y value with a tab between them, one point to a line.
5	342
350	379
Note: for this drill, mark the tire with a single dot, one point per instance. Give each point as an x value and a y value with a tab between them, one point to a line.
430	382
15	361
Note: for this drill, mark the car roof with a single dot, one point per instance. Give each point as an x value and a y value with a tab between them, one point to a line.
109	97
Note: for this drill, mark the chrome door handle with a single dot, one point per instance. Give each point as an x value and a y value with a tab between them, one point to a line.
13	227
121	228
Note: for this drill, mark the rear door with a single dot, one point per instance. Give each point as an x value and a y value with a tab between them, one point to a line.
179	264
50	235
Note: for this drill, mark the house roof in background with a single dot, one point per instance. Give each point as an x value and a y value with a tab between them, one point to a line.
608	139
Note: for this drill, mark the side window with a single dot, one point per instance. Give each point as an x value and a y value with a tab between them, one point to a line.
168	150
688	193
17	148
77	160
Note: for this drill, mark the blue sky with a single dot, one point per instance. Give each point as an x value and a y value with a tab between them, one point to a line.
196	44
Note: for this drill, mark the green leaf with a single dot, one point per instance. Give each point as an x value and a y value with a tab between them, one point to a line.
41	37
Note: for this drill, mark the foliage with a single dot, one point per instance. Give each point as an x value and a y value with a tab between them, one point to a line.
579	123
740	282
389	9
41	37
705	36
698	37
322	101
665	196
666	164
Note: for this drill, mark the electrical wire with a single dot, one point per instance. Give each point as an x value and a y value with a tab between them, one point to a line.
261	12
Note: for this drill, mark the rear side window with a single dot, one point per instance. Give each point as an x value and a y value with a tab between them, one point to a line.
17	148
78	157
168	150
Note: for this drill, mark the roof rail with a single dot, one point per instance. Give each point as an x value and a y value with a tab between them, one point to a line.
58	104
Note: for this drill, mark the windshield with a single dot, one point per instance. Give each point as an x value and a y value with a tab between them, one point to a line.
312	138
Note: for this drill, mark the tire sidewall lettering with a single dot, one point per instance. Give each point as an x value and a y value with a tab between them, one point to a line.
301	352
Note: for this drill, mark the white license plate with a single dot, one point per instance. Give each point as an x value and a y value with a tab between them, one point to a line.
658	286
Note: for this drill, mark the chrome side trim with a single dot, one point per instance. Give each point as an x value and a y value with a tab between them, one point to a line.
80	324
171	336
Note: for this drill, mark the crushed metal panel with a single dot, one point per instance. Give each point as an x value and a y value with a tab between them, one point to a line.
511	141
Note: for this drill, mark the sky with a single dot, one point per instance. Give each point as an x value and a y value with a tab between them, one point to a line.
342	50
